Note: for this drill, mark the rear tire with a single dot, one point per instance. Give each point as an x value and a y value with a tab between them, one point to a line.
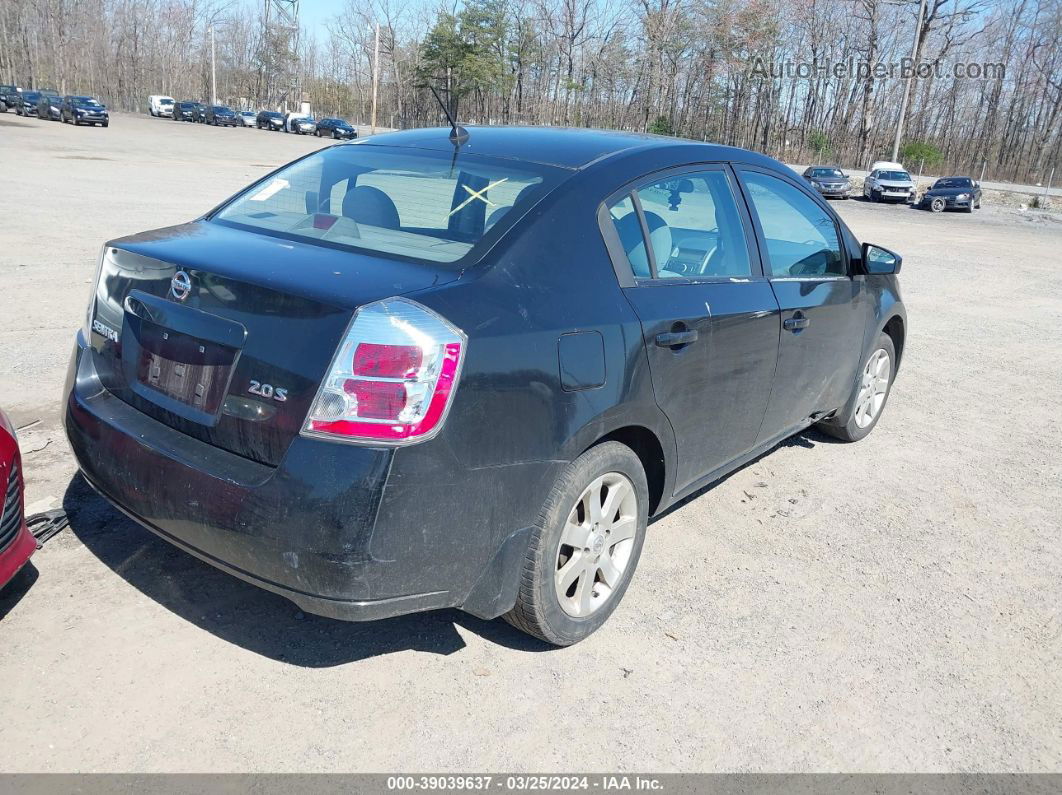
600	497
872	388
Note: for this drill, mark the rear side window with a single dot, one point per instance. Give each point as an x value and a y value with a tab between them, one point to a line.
695	231
801	237
416	204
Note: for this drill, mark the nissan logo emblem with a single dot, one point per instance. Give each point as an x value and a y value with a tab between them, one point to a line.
181	285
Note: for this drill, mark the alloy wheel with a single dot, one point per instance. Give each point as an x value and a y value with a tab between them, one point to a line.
596	544
873	388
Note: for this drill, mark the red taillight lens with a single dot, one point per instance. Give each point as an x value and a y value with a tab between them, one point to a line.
392	379
377	400
387	361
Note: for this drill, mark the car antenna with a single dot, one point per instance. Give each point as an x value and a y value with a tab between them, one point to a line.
458	134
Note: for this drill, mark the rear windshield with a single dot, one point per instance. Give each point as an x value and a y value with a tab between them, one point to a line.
413	204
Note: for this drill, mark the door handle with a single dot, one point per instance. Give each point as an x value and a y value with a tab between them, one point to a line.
796	323
674	339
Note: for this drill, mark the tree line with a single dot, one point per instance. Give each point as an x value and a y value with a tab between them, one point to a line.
804	81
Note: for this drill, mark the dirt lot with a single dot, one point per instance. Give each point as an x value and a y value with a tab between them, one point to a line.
889	605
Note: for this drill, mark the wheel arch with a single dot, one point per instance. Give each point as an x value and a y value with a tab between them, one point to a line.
650	451
895	327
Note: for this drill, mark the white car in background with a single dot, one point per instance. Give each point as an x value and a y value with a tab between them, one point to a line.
246	118
300	124
889	184
160	105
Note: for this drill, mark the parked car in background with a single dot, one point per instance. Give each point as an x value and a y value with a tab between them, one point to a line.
85	110
16	542
160	105
185	110
300	124
889	185
28	105
829	181
661	312
9	96
246	118
220	116
269	120
952	193
335	128
49	107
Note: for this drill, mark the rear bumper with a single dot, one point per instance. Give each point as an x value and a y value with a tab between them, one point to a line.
307	530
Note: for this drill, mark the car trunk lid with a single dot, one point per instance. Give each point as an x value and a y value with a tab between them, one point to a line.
225	334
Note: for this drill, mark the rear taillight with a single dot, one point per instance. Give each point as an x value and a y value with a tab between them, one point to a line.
392	379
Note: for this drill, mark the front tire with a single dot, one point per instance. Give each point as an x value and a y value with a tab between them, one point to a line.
584	546
937	205
864	408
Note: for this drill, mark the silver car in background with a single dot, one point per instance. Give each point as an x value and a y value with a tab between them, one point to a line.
892	185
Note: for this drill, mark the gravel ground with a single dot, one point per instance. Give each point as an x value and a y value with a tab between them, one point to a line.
884	606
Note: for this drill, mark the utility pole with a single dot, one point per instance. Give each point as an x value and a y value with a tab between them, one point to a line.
907	82
213	69
375	75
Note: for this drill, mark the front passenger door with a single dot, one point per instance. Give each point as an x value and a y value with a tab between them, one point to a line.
823	307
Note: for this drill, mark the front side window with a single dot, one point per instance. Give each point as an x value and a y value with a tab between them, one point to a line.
695	231
801	237
416	204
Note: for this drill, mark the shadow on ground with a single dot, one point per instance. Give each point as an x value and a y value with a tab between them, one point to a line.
807	438
12	593
257	620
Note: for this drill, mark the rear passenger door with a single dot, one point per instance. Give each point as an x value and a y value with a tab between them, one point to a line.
708	316
822	306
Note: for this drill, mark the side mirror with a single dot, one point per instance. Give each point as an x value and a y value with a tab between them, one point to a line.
878	261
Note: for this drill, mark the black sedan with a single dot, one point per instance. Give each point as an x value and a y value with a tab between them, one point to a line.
952	193
186	111
27	106
79	110
269	120
49	107
335	128
829	181
9	96
463	369
220	116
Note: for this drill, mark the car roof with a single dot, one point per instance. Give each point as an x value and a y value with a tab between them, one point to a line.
572	148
